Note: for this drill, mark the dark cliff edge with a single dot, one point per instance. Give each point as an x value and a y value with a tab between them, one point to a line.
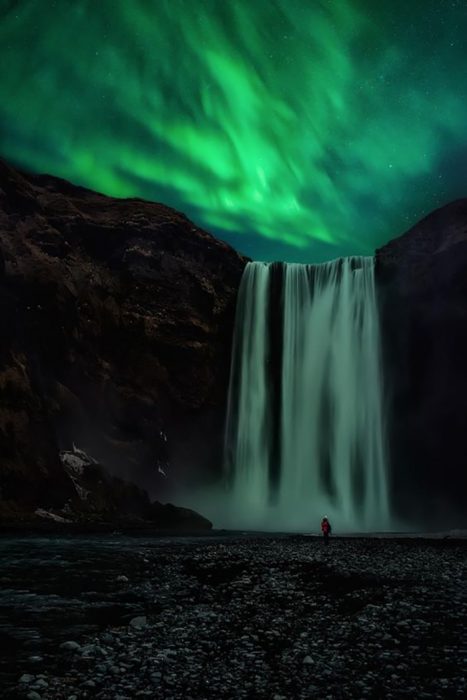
116	318
422	282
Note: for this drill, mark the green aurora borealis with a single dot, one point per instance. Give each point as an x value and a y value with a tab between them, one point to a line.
294	129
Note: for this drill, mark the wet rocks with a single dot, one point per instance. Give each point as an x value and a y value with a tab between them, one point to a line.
282	618
92	650
137	623
26	678
70	646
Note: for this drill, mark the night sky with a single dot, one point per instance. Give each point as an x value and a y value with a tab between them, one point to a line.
295	129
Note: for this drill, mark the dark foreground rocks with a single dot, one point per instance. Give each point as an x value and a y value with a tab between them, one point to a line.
279	618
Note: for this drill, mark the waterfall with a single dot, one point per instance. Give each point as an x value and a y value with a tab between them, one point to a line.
305	421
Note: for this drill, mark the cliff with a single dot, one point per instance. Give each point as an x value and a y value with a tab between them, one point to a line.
115	319
422	281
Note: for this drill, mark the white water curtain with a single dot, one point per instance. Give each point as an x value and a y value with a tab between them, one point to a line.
332	458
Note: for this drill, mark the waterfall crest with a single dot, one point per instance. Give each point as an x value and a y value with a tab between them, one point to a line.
305	422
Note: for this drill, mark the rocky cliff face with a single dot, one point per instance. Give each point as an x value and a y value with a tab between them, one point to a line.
116	319
422	278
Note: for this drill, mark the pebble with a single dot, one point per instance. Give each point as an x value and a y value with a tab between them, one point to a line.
32	695
70	646
138	622
26	678
243	618
93	650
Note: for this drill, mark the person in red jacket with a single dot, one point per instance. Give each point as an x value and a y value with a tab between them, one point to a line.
326	529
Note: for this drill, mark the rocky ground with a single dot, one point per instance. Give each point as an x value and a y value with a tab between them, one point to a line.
279	618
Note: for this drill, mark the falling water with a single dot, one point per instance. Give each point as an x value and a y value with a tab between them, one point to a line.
305	424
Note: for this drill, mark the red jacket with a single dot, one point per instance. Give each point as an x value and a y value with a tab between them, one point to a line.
325	527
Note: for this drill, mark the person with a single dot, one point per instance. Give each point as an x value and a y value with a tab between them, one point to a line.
326	529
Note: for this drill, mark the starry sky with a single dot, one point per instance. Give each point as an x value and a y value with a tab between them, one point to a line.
299	130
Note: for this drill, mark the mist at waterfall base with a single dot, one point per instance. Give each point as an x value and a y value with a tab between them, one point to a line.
305	427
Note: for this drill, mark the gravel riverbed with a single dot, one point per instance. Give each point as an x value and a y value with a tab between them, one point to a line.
275	618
